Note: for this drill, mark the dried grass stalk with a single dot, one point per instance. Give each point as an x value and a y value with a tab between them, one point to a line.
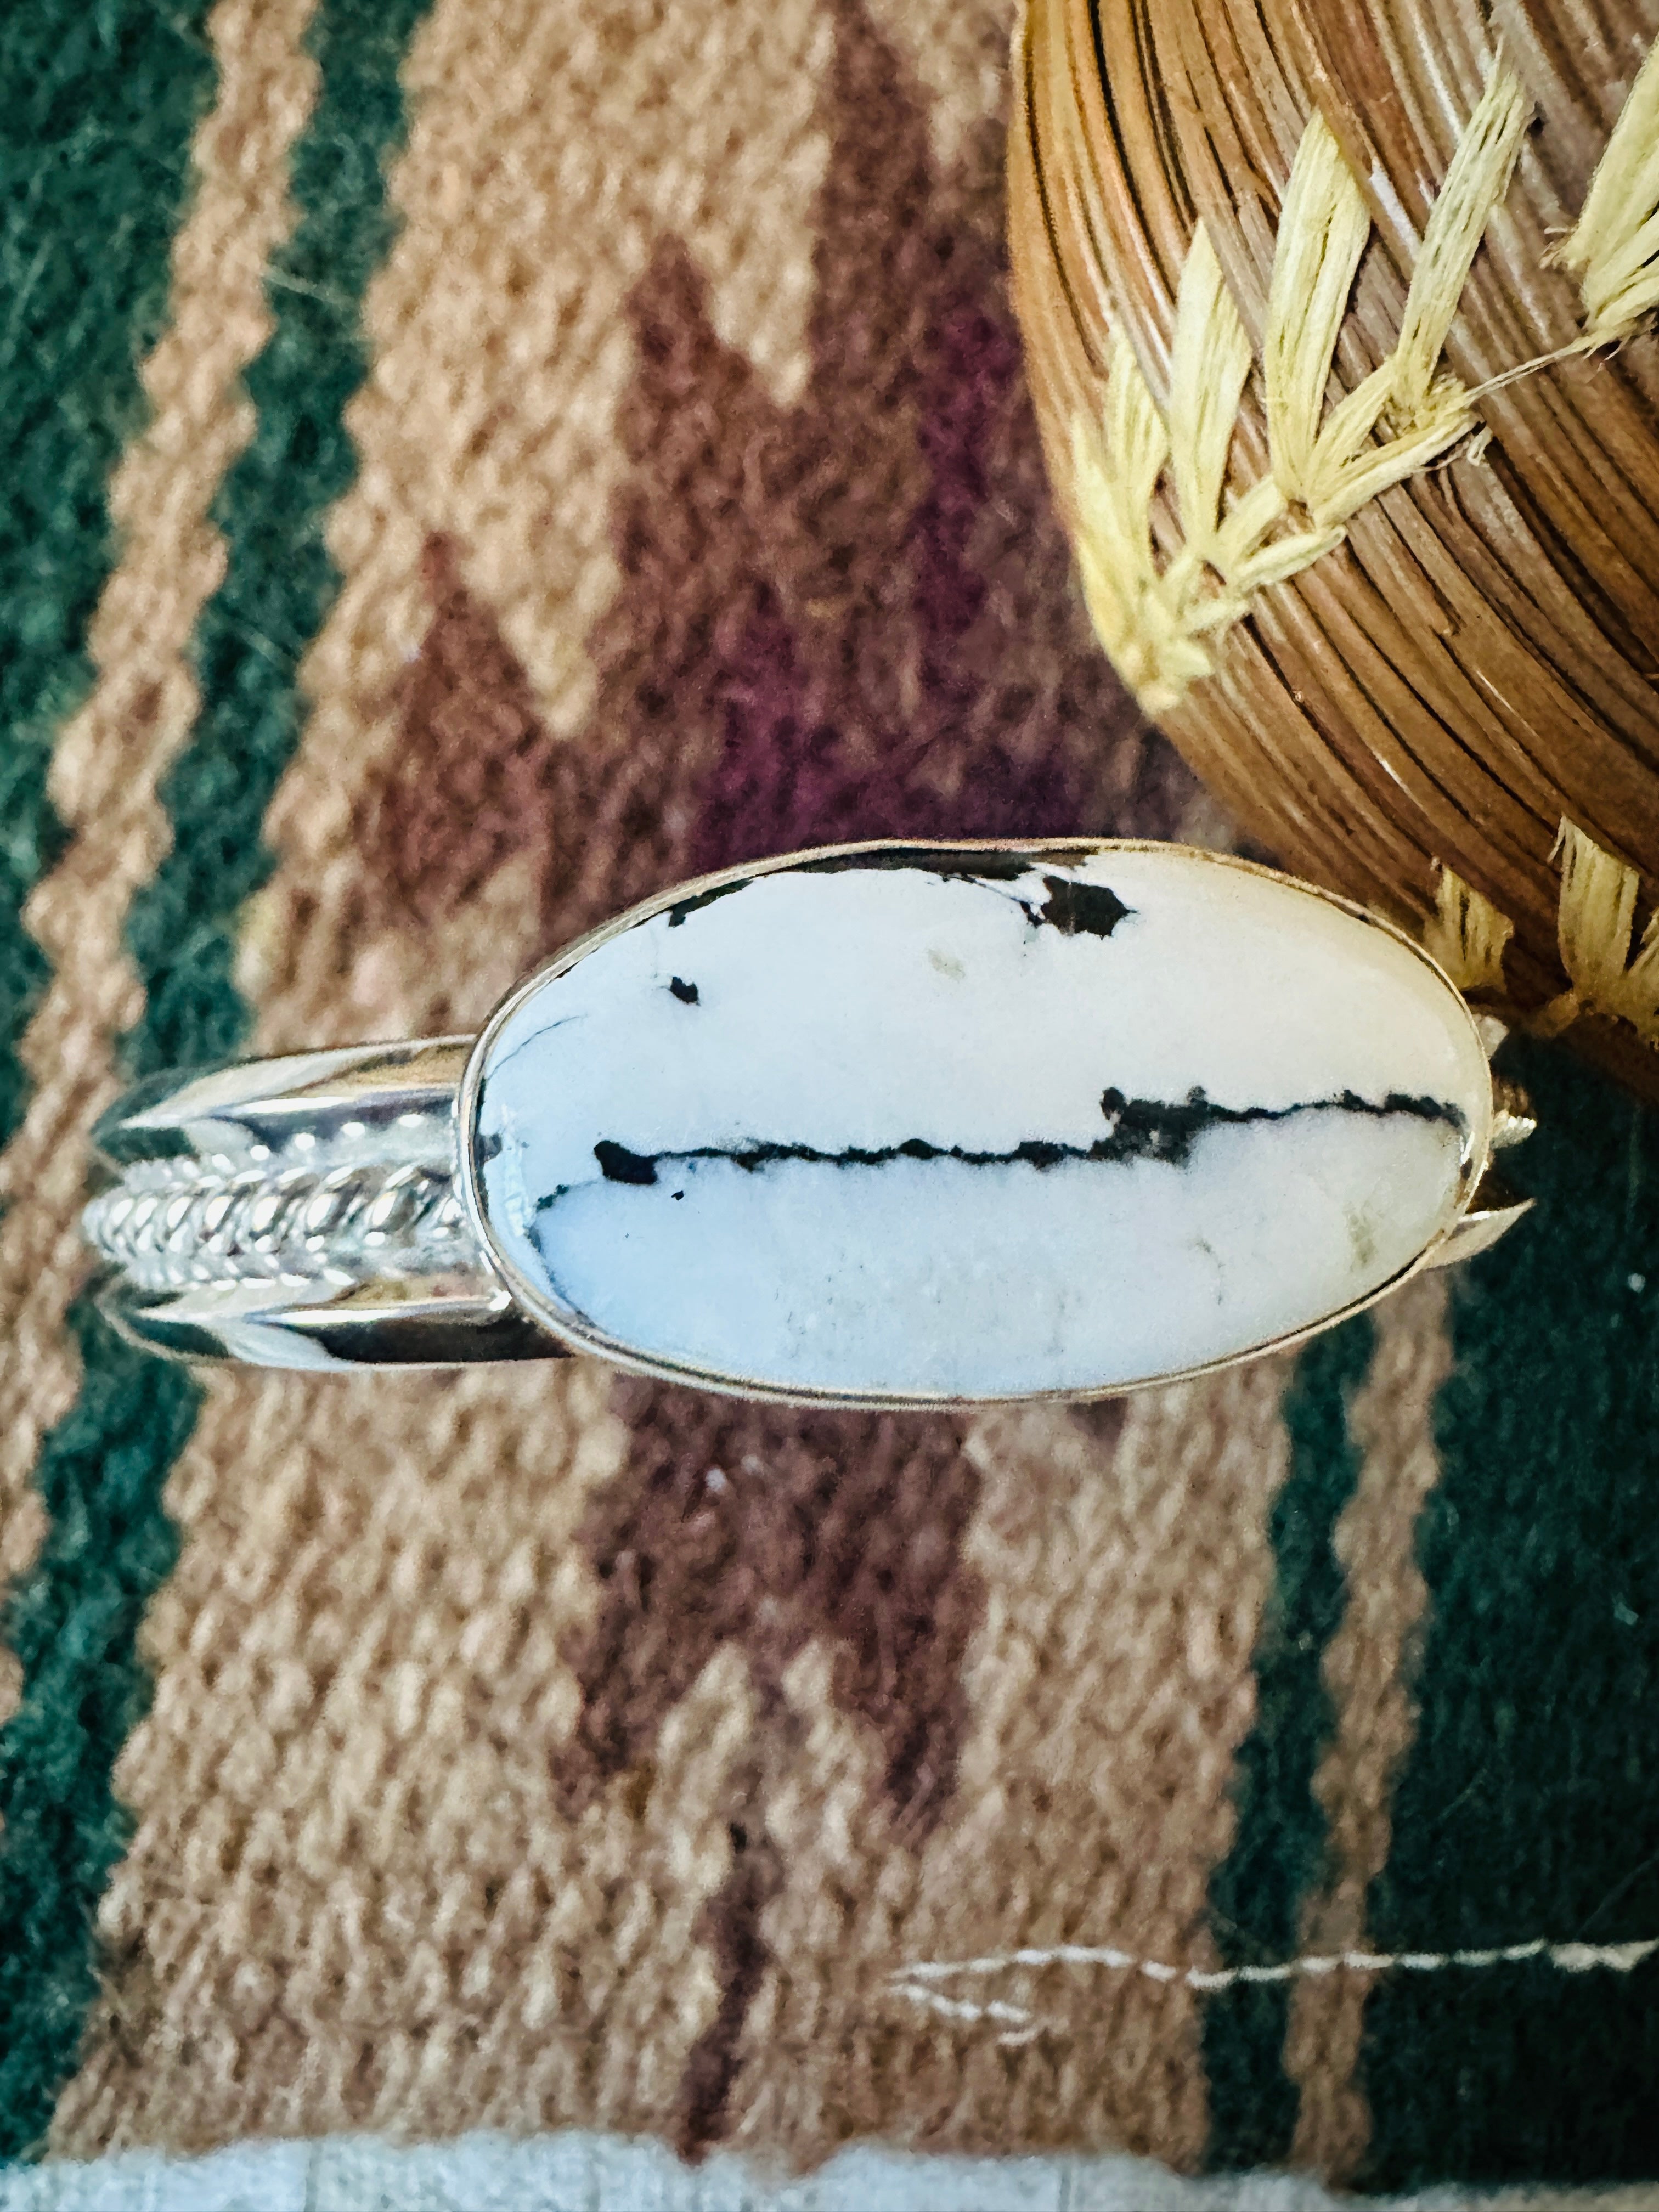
1467	935
1593	929
1161	624
1613	248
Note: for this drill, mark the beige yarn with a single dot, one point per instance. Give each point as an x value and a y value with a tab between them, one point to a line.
113	752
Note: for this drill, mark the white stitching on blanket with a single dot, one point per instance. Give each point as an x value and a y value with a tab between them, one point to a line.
913	1981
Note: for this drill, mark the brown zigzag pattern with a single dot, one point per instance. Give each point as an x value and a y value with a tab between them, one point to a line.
845	617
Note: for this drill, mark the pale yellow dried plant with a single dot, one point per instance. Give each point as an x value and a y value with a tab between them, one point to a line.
1154	620
1161	610
1595	921
1594	928
1613	248
1467	935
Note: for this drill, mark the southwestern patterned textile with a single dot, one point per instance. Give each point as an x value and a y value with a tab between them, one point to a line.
468	464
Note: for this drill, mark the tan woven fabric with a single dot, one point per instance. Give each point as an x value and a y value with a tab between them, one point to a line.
528	1749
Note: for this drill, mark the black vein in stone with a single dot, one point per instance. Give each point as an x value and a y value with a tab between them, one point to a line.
946	861
681	908
618	1164
1137	1129
1079	909
1074	909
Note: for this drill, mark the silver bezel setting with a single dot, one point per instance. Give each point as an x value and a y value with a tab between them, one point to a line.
1473	1225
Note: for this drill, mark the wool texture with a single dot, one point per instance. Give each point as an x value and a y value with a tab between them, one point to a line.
102	105
141	706
1369	1669
520	455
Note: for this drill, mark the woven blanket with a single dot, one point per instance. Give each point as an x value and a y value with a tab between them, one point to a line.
469	463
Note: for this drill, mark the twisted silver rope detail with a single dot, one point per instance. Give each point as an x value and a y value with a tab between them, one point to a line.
169	1223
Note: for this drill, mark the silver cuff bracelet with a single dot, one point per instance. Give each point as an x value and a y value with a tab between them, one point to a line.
879	1125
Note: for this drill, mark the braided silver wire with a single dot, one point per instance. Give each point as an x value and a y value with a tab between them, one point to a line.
170	1222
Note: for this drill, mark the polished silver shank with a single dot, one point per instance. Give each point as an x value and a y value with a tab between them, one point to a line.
302	1213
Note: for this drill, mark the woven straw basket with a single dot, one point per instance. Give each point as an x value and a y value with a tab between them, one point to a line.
1338	320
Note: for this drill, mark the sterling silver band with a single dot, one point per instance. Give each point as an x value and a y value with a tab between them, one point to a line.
302	1213
329	1211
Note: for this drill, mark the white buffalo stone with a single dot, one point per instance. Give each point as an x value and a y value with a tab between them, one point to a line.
918	1123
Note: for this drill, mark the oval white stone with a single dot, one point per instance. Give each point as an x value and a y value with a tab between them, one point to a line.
909	1123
